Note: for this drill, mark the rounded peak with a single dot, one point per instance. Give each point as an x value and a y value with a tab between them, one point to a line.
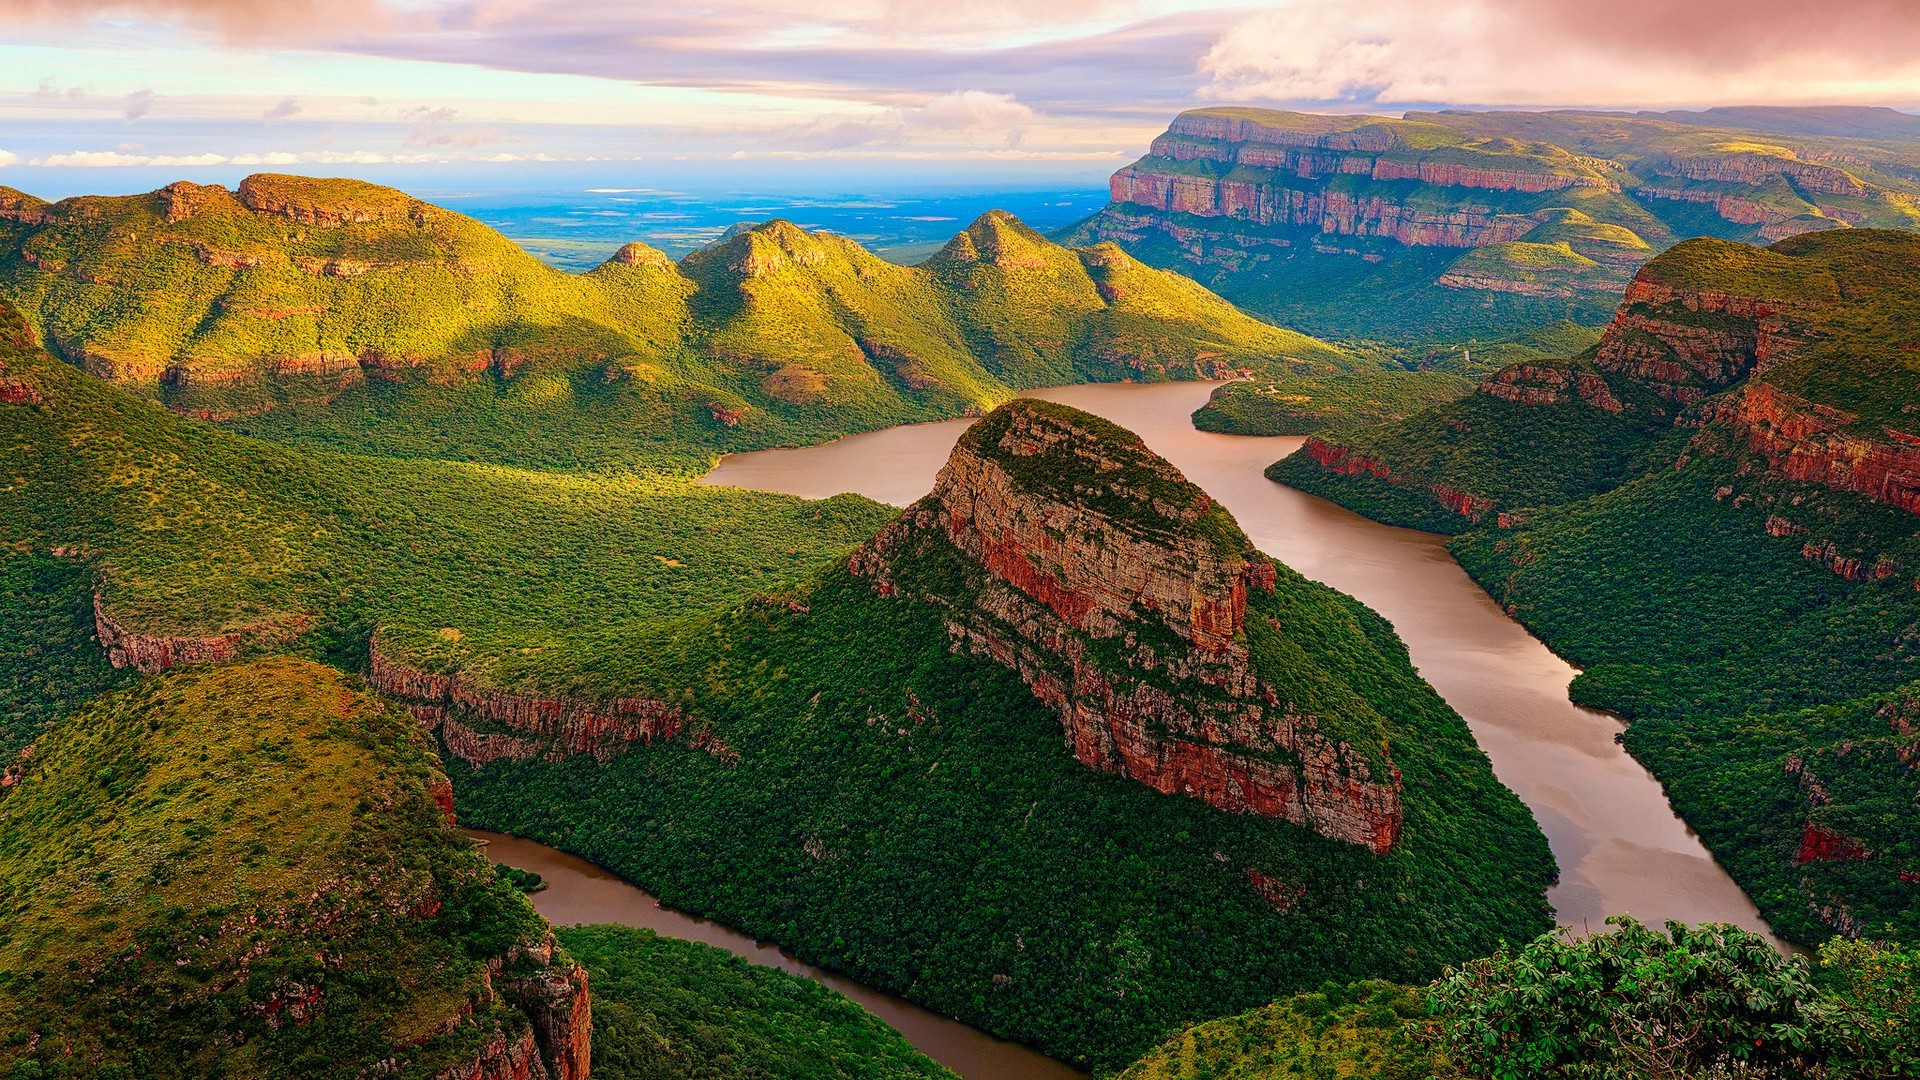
639	254
763	249
324	201
184	199
17	205
998	239
1047	444
1106	255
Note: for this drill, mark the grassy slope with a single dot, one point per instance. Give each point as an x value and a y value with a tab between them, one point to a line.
160	861
477	351
679	1010
49	665
191	530
1662	583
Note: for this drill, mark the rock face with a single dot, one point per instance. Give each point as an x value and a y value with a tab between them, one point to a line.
482	724
1248	199
557	1044
1125	598
1804	440
1342	461
154	653
1687	343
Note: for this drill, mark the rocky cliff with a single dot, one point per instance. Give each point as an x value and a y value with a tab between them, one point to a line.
154	653
1259	204
1129	601
481	723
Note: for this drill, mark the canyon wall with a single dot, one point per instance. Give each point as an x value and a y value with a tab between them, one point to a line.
481	723
1121	595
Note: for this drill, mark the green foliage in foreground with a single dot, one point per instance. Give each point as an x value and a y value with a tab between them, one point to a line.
908	816
1634	1003
1299	407
192	857
1371	1030
49	665
1637	1003
680	1010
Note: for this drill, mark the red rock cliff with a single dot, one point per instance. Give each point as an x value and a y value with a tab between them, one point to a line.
1687	343
557	1044
481	723
153	653
1120	594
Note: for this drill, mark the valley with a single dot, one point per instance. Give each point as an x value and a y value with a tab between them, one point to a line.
928	622
1619	846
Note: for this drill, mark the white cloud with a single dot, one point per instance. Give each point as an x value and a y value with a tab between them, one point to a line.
971	110
8	157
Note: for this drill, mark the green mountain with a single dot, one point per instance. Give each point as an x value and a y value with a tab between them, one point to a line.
249	870
338	314
699	689
1711	513
1458	227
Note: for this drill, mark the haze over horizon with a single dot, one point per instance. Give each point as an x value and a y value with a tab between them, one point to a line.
114	96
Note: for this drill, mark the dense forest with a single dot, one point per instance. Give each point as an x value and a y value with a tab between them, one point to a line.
1704	513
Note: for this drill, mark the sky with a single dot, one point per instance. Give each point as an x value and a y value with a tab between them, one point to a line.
106	95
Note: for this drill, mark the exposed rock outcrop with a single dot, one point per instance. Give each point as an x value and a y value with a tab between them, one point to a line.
1548	384
1341	461
482	723
1804	440
1122	595
551	991
1687	343
325	202
153	653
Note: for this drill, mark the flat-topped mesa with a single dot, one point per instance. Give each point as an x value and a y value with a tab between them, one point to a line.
325	201
1061	547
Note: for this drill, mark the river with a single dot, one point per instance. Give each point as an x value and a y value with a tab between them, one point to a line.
1619	844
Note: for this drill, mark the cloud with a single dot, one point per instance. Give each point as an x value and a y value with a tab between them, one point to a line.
433	127
284	21
137	104
971	110
1628	53
50	91
8	157
1056	59
109	159
284	108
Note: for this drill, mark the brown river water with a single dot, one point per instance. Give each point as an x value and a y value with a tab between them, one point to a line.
1619	844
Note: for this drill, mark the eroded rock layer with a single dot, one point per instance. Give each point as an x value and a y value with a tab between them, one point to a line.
481	723
1127	600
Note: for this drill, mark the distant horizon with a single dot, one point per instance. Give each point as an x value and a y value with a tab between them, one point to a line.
819	175
772	93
